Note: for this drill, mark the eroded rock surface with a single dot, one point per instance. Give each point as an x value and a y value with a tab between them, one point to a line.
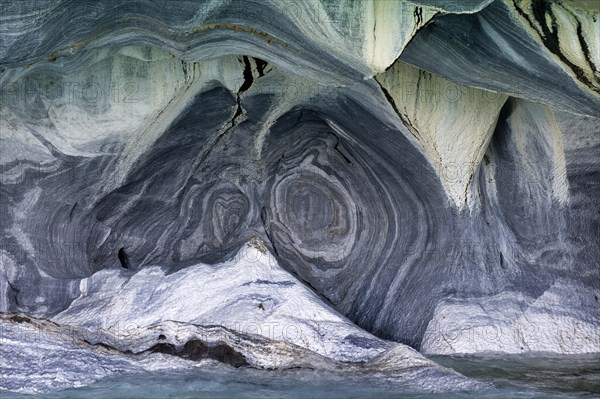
404	161
263	319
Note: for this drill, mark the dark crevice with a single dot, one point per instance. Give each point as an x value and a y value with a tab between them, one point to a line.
404	120
263	216
123	258
72	211
197	350
275	251
216	141
550	36
100	345
336	147
418	14
239	111
430	21
248	78
192	350
184	68
389	97
15	290
18	318
584	47
260	66
264	221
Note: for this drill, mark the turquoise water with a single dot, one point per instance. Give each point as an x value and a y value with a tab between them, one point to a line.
575	376
513	377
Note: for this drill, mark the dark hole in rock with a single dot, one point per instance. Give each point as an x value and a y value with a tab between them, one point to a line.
198	350
123	258
101	345
19	319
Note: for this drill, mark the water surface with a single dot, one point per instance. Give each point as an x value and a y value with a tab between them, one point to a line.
513	377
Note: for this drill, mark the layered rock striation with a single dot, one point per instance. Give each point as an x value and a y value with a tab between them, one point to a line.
414	164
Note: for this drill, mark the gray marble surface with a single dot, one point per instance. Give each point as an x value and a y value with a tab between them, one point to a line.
404	161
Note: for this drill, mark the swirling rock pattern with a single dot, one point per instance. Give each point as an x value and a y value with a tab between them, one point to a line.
144	134
519	43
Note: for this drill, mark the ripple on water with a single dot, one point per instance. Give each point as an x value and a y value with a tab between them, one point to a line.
515	377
